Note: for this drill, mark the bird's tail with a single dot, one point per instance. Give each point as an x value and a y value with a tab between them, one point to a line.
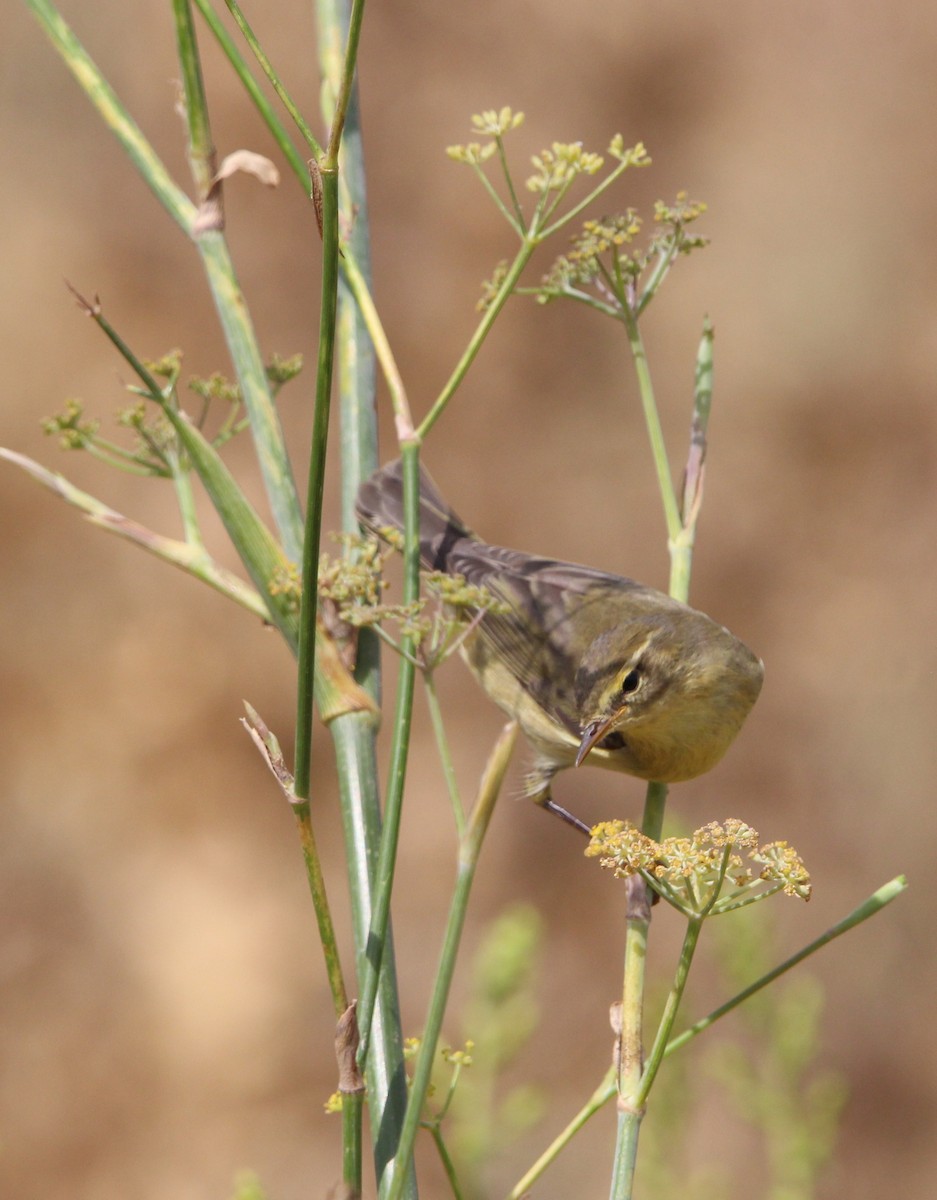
380	505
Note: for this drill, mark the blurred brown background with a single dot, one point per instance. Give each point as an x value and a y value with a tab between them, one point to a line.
165	1019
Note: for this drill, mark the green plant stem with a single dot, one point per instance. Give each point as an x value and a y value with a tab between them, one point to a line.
626	1152
469	851
652	421
353	274
681	546
265	65
875	903
361	337
113	455
114	115
661	267
356	762
206	231
266	430
400	744
599	1098
446	1159
358	331
442	747
201	147
631	1037
232	309
185	498
316	482
352	1114
655	801
671	1008
346	83
514	272
634	1079
608	1086
262	104
320	902
193	560
268	745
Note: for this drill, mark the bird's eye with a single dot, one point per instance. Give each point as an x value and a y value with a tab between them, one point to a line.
630	682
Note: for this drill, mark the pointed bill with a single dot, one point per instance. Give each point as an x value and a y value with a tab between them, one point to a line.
591	734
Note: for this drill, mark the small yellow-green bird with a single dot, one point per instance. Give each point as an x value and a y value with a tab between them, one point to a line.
593	667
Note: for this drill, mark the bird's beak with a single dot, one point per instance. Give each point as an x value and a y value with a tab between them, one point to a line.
593	732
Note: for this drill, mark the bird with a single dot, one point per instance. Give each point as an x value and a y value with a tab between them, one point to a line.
595	668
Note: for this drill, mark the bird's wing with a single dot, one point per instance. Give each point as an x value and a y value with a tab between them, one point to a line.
547	600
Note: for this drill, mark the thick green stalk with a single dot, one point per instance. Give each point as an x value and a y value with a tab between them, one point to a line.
265	428
400	745
352	1115
351	1090
354	735
655	801
626	1151
328	181
357	369
631	1038
356	762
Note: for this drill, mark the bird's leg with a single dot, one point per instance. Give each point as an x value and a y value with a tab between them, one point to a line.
565	815
538	781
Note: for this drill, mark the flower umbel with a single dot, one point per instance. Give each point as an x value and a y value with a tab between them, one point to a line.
556	168
599	271
439	622
706	873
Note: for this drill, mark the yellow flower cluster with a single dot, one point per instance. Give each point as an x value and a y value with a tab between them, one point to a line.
705	872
